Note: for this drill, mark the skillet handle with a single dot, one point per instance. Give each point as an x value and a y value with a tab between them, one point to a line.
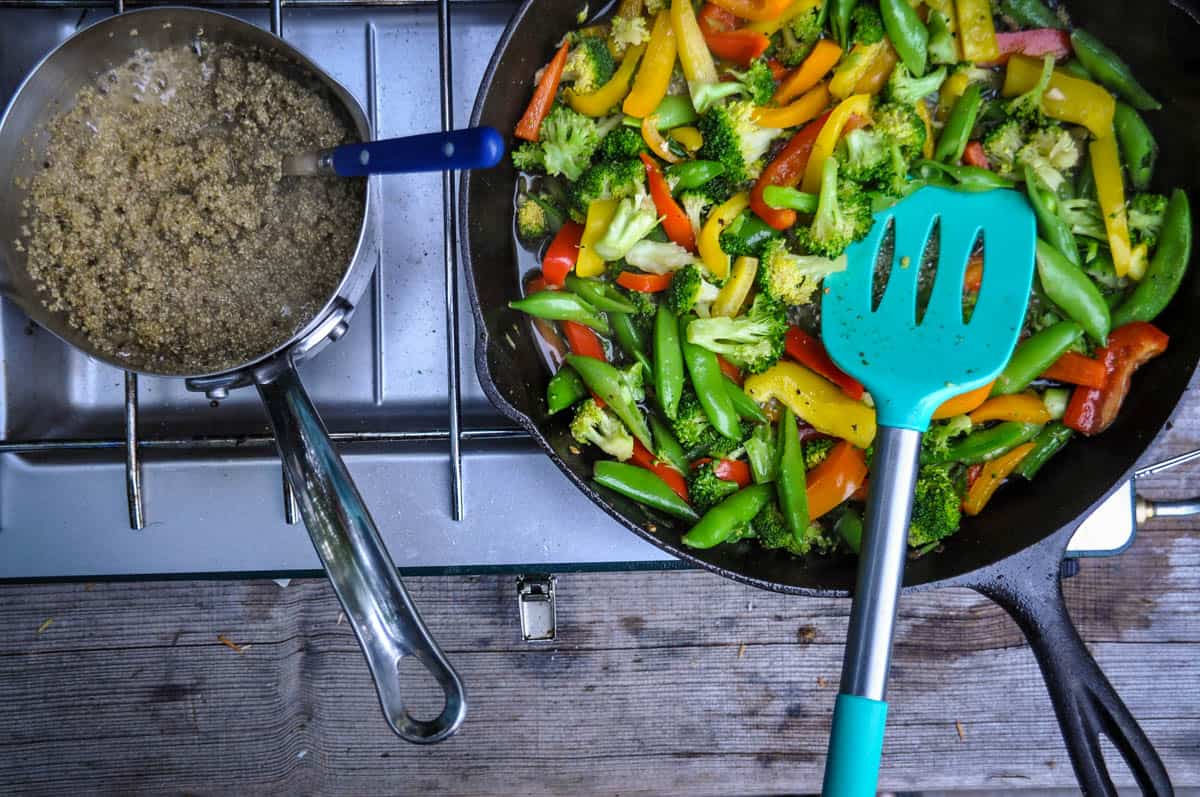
1085	702
377	606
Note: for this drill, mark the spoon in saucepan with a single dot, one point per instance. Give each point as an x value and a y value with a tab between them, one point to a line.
470	148
911	363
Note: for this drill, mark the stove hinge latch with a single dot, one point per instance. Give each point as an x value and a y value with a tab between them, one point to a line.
535	601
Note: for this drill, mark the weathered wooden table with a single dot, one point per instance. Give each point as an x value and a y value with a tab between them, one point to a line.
659	683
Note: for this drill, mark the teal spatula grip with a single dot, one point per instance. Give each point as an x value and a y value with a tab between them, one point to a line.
855	747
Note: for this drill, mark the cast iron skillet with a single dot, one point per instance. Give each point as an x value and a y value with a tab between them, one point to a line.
1012	552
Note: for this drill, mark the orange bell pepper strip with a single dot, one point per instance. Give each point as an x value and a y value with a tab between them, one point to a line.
583	340
644	459
963	403
654	74
991	476
543	96
714	19
1075	369
802	110
827	139
1020	407
973	279
973	155
645	283
818	63
562	253
877	74
835	479
655	140
674	221
738	46
755	10
786	170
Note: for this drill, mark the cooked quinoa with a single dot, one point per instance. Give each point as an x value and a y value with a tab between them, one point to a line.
160	223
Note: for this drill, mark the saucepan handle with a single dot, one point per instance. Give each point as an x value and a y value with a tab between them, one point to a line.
1085	702
363	576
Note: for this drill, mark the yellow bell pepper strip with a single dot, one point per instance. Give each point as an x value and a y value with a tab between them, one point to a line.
994	473
733	295
840	475
927	147
815	400
602	101
951	90
771	26
1110	191
822	58
951	15
963	403
599	214
694	57
976	33
655	141
654	75
827	139
1068	98
805	109
876	76
755	10
714	259
689	137
1020	407
854	67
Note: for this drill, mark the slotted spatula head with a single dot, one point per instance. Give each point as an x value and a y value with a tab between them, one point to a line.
909	367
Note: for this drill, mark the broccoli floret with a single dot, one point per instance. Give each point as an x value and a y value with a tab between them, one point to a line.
937	507
633	221
1051	152
1002	144
942	47
658	258
864	156
615	179
793	279
734	139
654	6
690	291
1084	217
816	450
706	489
532	222
1146	217
902	87
902	124
843	215
866	24
529	157
936	442
1027	107
697	435
695	203
773	533
794	41
757	82
746	236
752	341
627	32
622	144
600	427
566	142
589	64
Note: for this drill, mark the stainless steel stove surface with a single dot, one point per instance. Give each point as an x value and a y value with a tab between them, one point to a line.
217	505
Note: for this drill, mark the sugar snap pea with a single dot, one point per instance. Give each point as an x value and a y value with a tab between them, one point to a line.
720	522
743	405
693	174
562	306
709	383
609	384
1029	13
565	388
1167	267
601	295
840	12
907	33
1073	292
1110	71
1139	150
666	447
668	361
965	178
791	484
1051	224
762	454
987	444
642	486
1034	355
849	526
1048	443
630	339
959	125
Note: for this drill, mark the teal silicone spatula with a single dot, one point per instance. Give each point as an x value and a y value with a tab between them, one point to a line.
910	368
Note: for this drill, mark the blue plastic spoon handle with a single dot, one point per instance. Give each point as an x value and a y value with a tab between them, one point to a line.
471	148
855	747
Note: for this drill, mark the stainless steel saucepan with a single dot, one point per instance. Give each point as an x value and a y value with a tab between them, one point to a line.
364	578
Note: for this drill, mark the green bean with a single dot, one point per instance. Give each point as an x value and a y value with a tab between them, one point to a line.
666	447
1167	267
720	522
630	339
609	384
743	405
642	486
693	174
840	12
1034	355
601	295
1048	443
1073	292
959	124
707	379
668	361
791	485
564	389
762	454
1110	71
1053	227
850	527
674	111
561	306
1029	13
987	444
907	32
1138	147
1075	69
966	178
782	197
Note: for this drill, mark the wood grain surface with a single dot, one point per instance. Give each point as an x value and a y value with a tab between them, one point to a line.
659	683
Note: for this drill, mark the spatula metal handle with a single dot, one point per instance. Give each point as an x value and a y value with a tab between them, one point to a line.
856	743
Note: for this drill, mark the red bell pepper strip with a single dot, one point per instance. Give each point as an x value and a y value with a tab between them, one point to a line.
714	19
582	340
739	46
1093	410
674	221
809	351
562	253
730	470
674	479
973	155
543	96
729	369
786	169
644	283
1075	369
778	70
1035	43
